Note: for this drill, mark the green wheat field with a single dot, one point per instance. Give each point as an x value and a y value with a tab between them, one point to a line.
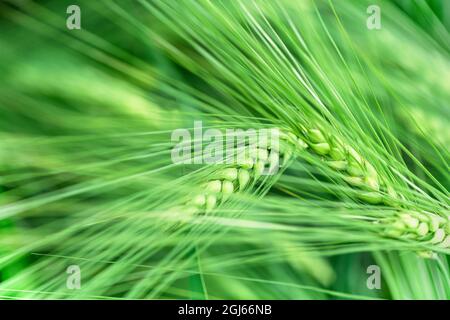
97	96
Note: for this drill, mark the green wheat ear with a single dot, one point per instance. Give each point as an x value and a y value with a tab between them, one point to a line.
356	171
359	173
239	177
424	227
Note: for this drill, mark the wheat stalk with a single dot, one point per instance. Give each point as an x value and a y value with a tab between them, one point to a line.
356	170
